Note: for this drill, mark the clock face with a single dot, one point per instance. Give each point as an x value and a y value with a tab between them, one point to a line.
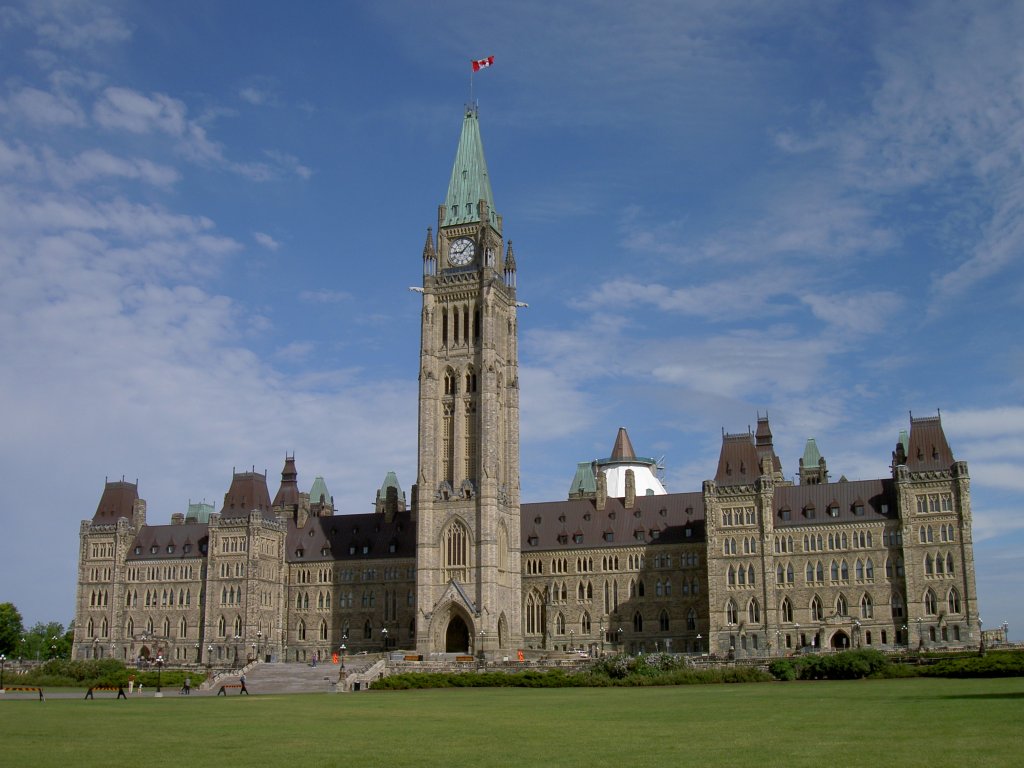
461	252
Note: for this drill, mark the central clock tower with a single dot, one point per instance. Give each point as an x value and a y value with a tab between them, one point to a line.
468	570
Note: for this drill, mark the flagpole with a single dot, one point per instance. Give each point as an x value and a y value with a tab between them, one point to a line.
471	70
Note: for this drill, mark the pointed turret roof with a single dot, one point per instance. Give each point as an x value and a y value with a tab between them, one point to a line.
288	492
469	182
811	453
319	494
623	448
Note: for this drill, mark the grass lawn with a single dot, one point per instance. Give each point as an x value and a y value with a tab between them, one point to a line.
874	722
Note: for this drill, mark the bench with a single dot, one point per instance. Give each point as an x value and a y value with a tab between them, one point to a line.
26	689
414	657
118	688
465	659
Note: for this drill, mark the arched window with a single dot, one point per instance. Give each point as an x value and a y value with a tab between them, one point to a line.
930	603
742	574
859	569
810	573
663	621
183	629
869	570
835	571
750	575
238	625
949	563
456	552
731	576
691	619
928	569
816	612
638	622
585	623
754	611
896	602
866	607
323	629
953	600
786	610
640	588
730	613
842	609
820	574
560	624
221	627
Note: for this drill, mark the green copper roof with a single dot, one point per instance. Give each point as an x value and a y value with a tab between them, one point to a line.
584	481
811	453
319	489
469	183
390	481
904	439
199	511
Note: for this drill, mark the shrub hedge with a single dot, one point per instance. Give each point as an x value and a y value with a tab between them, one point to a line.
61	673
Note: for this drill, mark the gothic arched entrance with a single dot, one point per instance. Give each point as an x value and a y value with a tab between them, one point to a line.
456	637
840	640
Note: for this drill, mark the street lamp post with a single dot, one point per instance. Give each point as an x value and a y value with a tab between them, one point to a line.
483	635
572	640
920	634
159	669
699	638
259	642
618	634
209	659
344	639
856	632
799	642
384	636
3	663
602	637
981	631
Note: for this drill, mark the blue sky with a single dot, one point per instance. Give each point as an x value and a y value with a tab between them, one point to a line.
211	213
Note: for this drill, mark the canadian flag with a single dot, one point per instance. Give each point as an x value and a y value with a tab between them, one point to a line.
482	63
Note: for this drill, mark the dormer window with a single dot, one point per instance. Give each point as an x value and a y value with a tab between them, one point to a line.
170	549
563	538
609	536
577	538
300	553
154	549
351	549
532	541
186	548
138	550
785	513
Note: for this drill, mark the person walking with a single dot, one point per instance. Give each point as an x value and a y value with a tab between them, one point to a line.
131	683
244	689
188	685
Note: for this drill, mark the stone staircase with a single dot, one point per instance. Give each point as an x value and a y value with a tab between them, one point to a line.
298	677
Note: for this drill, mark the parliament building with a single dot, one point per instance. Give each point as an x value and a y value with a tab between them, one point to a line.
751	564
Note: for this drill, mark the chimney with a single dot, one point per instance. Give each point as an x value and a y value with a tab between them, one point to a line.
630	501
602	491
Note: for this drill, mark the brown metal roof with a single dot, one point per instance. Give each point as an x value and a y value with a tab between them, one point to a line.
927	449
168	542
877	497
351	537
117	501
248	492
288	493
623	448
738	460
555	525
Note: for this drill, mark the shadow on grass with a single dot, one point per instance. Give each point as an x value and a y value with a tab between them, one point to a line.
1006	695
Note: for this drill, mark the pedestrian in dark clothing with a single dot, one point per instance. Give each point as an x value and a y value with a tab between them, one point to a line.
120	692
244	689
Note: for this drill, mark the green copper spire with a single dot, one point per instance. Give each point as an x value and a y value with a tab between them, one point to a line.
469	183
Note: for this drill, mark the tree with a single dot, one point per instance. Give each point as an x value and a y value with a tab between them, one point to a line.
11	629
47	641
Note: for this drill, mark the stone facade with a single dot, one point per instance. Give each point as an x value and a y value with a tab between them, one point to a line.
749	565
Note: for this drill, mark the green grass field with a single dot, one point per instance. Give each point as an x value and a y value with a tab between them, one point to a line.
874	722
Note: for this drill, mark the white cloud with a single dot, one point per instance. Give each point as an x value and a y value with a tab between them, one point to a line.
96	164
44	108
132	111
266	241
325	297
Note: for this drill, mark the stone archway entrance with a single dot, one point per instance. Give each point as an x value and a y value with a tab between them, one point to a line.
840	640
456	637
